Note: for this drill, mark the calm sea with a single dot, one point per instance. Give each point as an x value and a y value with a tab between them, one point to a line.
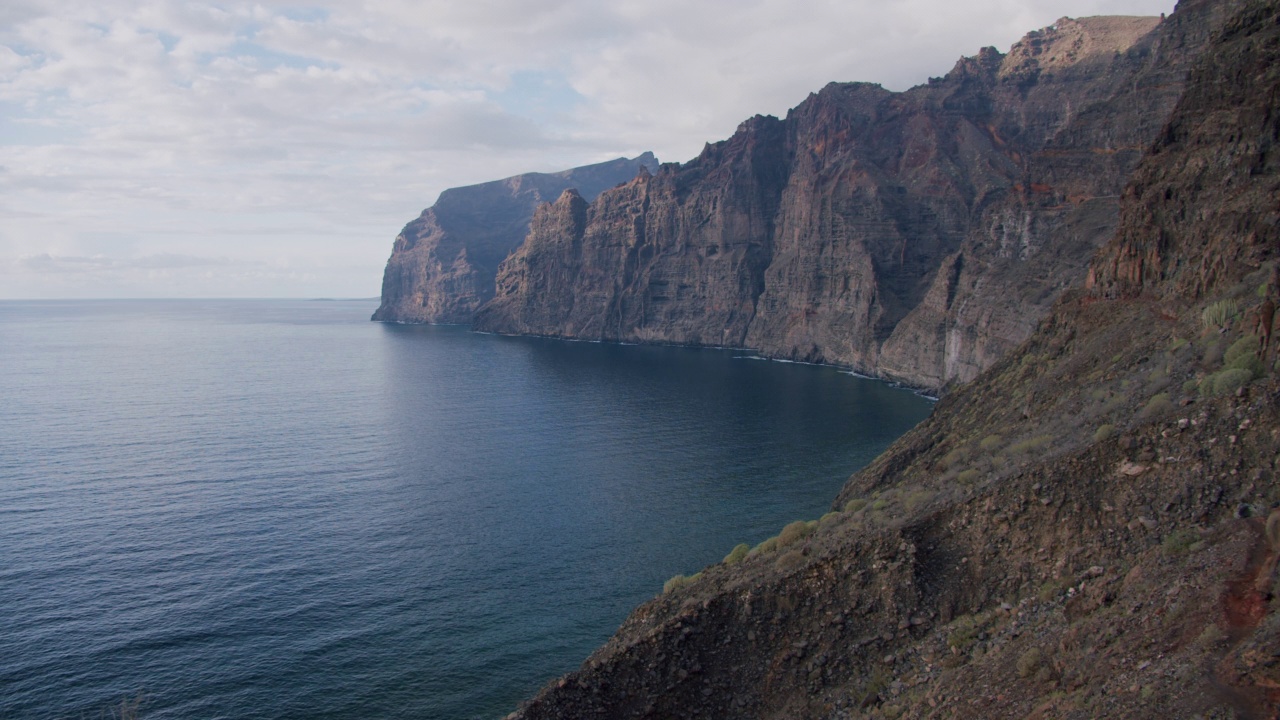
277	509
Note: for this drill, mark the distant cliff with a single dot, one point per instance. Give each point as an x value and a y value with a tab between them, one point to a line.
918	236
442	265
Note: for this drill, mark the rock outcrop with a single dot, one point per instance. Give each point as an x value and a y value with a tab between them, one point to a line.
442	265
1085	530
918	236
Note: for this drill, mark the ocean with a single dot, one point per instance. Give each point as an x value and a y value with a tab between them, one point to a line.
278	509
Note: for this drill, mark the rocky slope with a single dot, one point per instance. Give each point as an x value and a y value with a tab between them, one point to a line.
1083	531
917	236
442	265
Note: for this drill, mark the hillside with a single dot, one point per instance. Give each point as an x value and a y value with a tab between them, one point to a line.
1080	532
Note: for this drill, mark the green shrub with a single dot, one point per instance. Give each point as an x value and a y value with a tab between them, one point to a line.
968	477
964	632
1242	355
855	505
1220	314
953	458
738	552
1212	355
1157	405
766	546
916	499
1049	590
1029	663
675	584
790	560
1181	542
880	504
990	442
794	532
1225	382
1029	444
1179	343
1103	432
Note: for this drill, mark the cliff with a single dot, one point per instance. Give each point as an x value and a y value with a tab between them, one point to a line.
918	236
1085	530
442	264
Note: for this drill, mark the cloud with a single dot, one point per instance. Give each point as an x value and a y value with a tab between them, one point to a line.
189	125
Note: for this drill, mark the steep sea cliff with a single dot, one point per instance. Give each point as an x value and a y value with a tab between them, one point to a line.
917	236
1087	529
443	263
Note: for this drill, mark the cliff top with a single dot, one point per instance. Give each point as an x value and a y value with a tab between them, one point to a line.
1071	41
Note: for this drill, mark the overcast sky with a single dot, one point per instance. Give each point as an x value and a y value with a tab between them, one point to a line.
264	149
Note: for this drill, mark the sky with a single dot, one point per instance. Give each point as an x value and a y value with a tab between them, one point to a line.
174	148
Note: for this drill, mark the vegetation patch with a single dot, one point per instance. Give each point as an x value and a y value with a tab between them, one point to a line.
1220	314
1225	382
855	505
1104	432
736	555
990	442
1029	445
678	582
1029	662
1158	405
1182	541
796	531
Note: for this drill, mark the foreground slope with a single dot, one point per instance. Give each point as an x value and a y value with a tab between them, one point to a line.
442	264
1081	532
918	236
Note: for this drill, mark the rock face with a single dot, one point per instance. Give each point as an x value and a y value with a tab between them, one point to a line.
442	265
1088	529
918	236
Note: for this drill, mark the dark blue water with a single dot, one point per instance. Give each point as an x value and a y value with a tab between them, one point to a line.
277	509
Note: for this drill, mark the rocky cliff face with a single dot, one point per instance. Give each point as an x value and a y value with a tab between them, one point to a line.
1086	530
442	265
916	235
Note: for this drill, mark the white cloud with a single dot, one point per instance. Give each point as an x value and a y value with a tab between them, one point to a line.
272	132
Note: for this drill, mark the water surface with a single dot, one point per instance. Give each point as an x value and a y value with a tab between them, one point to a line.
277	509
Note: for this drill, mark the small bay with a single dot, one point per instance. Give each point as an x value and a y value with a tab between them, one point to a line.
278	509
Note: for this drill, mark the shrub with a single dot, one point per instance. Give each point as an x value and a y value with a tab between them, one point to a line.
1220	314
1179	343
968	477
1029	663
738	552
1212	355
790	560
964	633
916	499
1242	355
1225	382
954	457
766	546
1103	432
828	518
795	531
1049	590
675	584
855	505
1181	542
1029	444
1157	405
990	442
